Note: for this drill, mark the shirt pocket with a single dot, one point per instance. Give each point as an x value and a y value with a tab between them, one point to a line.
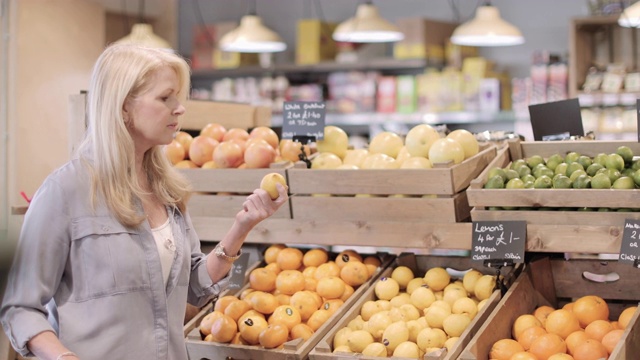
106	259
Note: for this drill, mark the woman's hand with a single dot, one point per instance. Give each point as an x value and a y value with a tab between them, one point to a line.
259	206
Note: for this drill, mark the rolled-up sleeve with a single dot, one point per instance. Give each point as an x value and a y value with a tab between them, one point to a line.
37	268
201	287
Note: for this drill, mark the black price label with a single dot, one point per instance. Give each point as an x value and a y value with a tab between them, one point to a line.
630	247
238	270
502	240
303	118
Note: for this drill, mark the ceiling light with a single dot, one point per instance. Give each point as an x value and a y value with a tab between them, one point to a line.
367	26
252	37
630	17
142	34
487	29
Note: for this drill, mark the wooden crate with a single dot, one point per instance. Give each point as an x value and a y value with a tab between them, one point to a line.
557	230
419	264
297	349
555	282
446	201
231	115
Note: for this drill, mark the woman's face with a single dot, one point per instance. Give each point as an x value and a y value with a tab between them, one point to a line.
153	116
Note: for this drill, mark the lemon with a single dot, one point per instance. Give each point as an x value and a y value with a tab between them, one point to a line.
437	278
422	298
408	350
402	274
386	288
395	334
358	340
375	349
469	280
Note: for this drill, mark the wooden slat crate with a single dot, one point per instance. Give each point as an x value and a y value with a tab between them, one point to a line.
231	115
558	230
446	201
555	282
298	349
419	264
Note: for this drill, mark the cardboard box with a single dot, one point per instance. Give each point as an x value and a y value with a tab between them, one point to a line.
424	39
314	41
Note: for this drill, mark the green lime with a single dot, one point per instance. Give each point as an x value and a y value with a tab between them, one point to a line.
582	182
561	182
611	173
535	160
542	170
623	182
636	177
495	182
511	174
528	184
593	169
516	164
561	168
515	183
585	161
573	167
552	164
614	161
601	181
528	178
497	171
626	153
543	182
636	165
601	159
575	174
556	158
571	157
523	171
603	209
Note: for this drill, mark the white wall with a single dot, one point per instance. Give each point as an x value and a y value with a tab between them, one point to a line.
544	23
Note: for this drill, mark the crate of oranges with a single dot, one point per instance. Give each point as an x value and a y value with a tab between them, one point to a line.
289	303
559	310
423	307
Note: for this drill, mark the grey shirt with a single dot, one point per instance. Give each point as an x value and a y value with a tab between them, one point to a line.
98	284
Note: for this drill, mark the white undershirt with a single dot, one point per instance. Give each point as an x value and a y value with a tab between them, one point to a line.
166	247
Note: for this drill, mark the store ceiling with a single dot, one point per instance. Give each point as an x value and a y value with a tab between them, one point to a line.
151	8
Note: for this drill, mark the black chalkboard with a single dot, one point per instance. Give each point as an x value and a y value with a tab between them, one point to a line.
303	118
630	247
238	270
555	118
502	240
638	117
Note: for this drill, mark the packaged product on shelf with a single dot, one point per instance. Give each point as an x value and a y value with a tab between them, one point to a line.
386	94
202	46
406	94
428	89
489	95
314	42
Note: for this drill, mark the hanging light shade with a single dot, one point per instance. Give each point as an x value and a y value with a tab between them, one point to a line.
487	29
142	34
367	26
630	17
252	37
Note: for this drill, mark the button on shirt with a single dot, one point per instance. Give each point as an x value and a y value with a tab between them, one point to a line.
98	284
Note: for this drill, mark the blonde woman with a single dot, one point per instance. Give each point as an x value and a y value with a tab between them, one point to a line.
108	258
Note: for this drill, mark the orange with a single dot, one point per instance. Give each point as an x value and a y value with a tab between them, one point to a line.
237	308
223	329
310	284
568	306
245	293
283	299
332	305
271	254
250	313
372	263
505	348
290	281
273	267
331	287
315	257
625	316
598	329
327	269
318	318
346	256
309	271
289	259
528	335
264	303
523	355
541	313
546	345
615	325
251	328
522	323
348	291
590	349
562	322
223	302
301	331
273	336
611	339
287	315
574	339
590	308
238	340
262	279
560	357
354	273
305	302
207	321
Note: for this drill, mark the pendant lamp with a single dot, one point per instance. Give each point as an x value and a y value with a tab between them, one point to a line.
630	17
487	29
367	26
142	34
252	37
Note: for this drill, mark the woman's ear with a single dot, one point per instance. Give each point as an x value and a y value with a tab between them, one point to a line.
126	115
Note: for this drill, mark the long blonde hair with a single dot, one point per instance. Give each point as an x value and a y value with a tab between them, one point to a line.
123	72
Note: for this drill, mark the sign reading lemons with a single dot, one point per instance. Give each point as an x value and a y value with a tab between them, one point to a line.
498	240
303	119
630	247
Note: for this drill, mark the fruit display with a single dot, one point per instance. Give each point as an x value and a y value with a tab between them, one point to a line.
291	297
411	311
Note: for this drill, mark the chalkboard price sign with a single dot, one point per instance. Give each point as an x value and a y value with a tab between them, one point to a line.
630	247
503	240
303	118
238	270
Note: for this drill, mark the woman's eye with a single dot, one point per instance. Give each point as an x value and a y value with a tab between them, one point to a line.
165	98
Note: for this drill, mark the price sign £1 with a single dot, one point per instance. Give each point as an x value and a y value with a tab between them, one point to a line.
630	246
303	118
498	240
